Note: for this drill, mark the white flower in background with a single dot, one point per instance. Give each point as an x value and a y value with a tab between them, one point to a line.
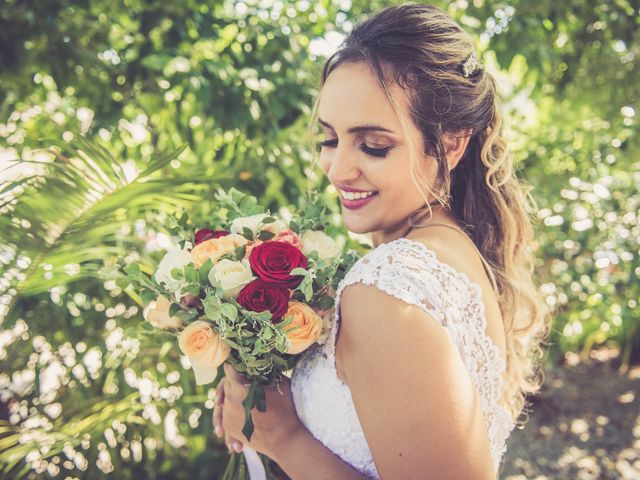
174	258
315	240
157	314
231	275
252	222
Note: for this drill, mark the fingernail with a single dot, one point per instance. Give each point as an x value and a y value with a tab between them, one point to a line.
218	431
236	446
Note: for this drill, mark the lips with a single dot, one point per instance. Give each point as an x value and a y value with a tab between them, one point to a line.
359	203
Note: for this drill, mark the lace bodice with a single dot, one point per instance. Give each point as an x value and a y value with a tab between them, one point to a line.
411	272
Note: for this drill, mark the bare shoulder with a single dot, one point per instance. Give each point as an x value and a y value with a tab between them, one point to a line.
395	357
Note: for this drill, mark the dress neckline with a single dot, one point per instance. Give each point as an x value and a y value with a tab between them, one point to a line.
462	276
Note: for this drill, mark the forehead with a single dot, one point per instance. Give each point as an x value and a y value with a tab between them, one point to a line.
352	95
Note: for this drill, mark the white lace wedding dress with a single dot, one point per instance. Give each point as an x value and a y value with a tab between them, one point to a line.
411	272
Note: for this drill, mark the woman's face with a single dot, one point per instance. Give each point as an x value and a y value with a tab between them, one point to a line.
364	149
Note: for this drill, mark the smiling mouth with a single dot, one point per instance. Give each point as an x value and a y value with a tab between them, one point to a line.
358	202
356	195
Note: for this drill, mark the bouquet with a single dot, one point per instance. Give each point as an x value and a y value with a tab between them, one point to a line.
249	288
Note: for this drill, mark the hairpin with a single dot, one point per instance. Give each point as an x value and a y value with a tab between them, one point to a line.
470	65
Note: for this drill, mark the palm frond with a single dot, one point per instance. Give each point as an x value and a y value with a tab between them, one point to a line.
89	420
66	217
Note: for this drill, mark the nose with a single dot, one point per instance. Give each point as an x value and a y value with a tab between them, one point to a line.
342	165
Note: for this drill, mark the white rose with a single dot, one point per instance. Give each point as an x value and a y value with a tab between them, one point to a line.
233	276
252	222
157	314
174	258
316	240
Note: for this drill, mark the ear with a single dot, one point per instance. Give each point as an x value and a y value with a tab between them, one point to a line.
455	144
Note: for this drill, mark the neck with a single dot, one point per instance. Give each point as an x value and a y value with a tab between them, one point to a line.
402	229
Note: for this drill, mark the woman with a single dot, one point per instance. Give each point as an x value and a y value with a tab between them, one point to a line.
433	348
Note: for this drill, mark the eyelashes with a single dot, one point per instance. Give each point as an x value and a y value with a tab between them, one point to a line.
374	152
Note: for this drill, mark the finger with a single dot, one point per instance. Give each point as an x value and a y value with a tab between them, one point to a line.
217	409
232	373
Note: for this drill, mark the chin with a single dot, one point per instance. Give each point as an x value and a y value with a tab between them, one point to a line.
356	227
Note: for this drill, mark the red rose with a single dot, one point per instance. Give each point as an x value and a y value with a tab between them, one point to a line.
259	296
206	234
273	261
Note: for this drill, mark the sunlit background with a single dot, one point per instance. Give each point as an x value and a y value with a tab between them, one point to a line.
84	394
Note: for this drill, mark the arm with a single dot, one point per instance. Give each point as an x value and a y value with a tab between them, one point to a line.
304	457
416	403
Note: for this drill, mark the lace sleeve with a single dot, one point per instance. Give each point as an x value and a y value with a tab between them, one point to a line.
410	271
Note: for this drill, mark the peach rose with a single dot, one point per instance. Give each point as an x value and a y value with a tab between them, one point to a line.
205	349
304	329
290	237
214	248
157	314
250	246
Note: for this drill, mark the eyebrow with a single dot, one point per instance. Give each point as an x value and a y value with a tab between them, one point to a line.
360	128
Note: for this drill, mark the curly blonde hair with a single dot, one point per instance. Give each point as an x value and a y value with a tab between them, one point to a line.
422	49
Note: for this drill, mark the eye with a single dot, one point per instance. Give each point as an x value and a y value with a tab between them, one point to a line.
327	143
374	152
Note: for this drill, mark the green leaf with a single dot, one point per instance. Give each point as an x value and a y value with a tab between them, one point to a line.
148	296
325	302
173	309
240	252
255	398
132	269
191	274
177	273
265	235
203	272
212	307
247	233
229	311
298	271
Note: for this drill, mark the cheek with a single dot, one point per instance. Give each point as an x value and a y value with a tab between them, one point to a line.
324	163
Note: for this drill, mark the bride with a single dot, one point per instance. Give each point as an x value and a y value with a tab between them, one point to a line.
437	329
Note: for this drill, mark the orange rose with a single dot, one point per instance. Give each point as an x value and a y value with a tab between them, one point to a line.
214	248
205	349
304	329
290	237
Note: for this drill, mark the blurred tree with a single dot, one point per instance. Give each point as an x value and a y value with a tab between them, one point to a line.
86	393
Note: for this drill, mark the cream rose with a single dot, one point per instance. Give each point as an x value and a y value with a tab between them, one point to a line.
215	248
174	258
316	240
205	349
252	223
157	314
232	276
304	329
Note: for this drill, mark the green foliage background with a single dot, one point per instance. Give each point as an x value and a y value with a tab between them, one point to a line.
234	82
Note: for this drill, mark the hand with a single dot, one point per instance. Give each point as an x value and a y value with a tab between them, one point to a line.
272	429
231	443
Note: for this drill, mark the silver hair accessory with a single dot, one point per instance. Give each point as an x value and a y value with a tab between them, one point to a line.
470	65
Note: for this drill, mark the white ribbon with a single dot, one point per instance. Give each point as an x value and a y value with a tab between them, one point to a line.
254	464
